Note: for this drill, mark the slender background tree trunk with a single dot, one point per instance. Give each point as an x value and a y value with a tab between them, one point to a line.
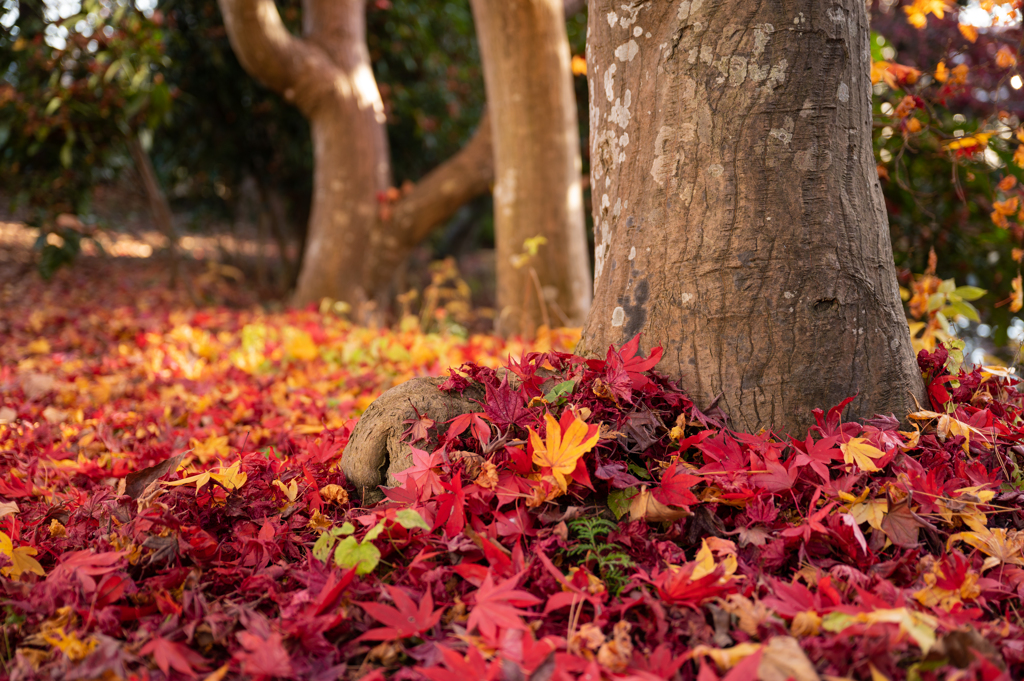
159	207
537	191
739	222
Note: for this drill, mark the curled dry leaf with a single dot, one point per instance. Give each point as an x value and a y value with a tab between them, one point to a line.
645	507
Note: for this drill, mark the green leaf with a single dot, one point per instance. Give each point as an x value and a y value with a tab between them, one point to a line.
837	621
618	501
878	41
639	471
322	547
53	105
970	292
947	286
962	308
65	155
374	532
562	390
409	519
935	301
363	556
112	70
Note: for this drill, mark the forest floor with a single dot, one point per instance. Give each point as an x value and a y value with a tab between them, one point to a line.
171	505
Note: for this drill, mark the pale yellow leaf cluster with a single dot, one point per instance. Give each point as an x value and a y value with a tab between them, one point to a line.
21	559
705	561
862	454
229	478
947	426
1002	546
213	447
918	11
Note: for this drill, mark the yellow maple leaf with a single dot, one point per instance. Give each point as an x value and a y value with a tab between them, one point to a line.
705	561
975	142
918	11
858	451
299	345
22	562
959	74
230	477
871	512
998	543
933	595
948	426
214	447
69	644
1017	299
561	451
200	479
290	490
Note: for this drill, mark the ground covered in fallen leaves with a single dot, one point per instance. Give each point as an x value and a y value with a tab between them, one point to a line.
172	507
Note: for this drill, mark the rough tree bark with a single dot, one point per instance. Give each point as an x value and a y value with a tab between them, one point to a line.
525	53
739	222
351	247
739	218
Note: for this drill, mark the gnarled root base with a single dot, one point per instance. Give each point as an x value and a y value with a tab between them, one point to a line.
376	450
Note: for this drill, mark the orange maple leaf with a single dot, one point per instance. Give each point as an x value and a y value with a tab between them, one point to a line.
566	443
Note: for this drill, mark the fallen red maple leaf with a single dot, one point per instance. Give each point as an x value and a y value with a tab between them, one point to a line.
674	489
496	605
170	655
405	620
263	657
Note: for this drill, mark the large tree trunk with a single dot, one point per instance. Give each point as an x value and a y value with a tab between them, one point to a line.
537	192
739	222
327	75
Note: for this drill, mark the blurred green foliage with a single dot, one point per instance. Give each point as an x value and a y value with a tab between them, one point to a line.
939	196
69	98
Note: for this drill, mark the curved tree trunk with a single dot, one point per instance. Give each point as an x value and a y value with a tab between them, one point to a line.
537	192
350	247
739	222
351	161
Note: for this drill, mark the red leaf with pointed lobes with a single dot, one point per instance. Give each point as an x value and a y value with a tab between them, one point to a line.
504	406
451	507
674	489
471	668
170	655
263	658
675	586
403	621
498	605
419	427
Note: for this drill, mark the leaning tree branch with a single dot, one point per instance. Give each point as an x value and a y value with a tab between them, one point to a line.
433	201
302	73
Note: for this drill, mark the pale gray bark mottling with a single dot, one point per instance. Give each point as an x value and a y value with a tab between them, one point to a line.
739	222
